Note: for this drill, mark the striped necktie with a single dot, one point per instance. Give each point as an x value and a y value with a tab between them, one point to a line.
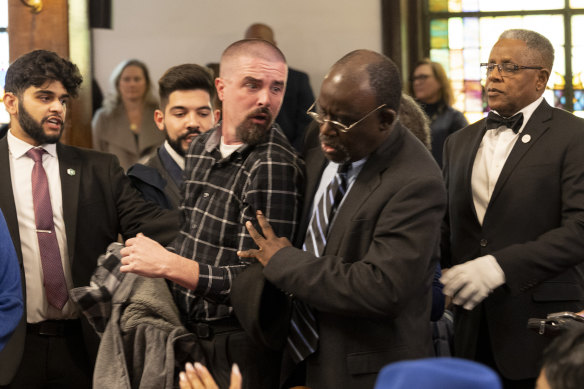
303	334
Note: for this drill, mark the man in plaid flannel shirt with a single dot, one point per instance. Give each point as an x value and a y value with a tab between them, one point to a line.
243	165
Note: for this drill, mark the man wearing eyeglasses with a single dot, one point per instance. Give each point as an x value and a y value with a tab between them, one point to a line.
363	270
515	228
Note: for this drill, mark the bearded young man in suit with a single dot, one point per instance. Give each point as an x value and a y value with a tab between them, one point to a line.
91	202
369	288
514	231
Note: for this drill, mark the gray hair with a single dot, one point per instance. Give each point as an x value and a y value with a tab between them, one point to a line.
537	43
415	119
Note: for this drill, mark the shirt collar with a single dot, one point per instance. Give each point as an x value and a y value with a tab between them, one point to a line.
18	147
180	161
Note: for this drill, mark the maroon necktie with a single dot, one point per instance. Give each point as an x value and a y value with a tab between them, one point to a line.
54	278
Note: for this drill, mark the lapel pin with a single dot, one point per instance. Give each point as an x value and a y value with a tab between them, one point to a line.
526	138
71	172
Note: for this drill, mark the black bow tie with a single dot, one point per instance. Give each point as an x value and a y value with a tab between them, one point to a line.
495	121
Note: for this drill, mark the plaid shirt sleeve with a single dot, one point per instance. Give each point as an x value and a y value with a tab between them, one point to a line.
273	186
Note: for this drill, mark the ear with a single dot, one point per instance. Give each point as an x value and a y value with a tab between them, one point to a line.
159	119
216	116
220	86
11	103
387	118
542	78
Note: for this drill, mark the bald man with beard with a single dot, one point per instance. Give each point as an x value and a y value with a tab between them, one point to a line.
243	165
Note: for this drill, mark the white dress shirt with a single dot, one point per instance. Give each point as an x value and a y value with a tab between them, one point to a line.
37	306
491	157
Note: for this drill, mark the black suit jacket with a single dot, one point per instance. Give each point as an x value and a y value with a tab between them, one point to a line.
371	290
98	204
297	98
533	226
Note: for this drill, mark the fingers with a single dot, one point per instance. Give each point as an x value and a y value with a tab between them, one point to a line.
248	253
266	227
235	377
453	281
189	379
205	376
196	377
255	235
184	381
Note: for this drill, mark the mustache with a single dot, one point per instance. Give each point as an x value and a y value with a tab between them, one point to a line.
332	141
261	111
190	131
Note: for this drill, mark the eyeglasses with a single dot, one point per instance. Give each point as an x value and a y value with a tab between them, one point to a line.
420	77
506	68
338	126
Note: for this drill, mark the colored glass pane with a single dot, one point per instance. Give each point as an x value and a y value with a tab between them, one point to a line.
454	5
438	5
443	57
455	33
456	65
470	5
471	33
472	59
439	33
473	93
519	5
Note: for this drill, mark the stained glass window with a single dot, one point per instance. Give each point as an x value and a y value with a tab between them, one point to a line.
4	118
464	32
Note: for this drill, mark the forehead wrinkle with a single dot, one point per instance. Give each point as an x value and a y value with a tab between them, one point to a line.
255	67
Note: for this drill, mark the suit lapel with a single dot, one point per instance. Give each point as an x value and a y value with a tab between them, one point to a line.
533	129
367	181
70	171
7	196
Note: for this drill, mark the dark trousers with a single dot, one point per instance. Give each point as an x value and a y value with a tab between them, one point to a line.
54	357
224	345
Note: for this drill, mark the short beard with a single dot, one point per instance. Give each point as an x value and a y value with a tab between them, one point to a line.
176	144
252	133
34	129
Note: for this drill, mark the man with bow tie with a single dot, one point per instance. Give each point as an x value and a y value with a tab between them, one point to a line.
514	232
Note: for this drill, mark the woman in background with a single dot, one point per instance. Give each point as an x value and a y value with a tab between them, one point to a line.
125	126
431	89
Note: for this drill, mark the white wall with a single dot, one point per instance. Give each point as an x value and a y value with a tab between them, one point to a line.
313	34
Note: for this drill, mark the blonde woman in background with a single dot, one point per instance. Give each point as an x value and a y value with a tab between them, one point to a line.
431	88
125	126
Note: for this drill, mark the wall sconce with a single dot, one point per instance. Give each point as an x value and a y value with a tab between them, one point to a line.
36	5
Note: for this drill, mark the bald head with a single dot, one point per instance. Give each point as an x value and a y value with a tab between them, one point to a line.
251	48
381	73
260	31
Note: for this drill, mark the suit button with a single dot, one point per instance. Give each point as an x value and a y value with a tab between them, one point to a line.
483	243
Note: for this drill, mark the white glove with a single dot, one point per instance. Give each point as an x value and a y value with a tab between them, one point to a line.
471	282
